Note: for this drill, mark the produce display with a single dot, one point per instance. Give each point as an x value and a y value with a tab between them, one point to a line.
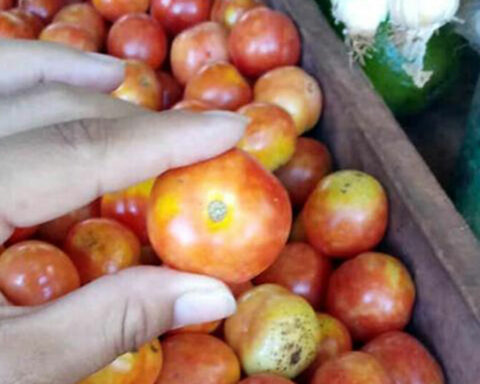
296	240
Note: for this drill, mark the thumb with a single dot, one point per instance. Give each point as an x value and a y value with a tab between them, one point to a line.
75	336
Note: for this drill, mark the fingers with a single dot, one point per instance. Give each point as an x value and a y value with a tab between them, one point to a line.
47	172
106	318
24	64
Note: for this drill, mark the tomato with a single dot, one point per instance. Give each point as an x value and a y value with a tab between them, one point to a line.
14	27
129	207
138	36
6	4
352	368
346	214
198	359
100	247
86	16
273	331
172	91
302	270
69	34
114	9
148	256
266	378
405	359
196	47
221	85
137	367
140	86
238	289
371	294
209	327
271	135
20	234
45	9
32	20
193	106
228	12
263	39
298	231
178	15
33	272
310	163
226	217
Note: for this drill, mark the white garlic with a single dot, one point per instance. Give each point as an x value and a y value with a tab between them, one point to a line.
361	17
417	14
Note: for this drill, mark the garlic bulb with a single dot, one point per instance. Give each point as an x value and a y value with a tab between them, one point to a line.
361	17
417	14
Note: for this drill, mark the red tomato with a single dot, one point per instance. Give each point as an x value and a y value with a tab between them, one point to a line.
6	4
140	86
226	217
196	47
405	359
86	16
198	359
371	294
33	272
310	163
45	9
294	90
301	270
238	289
178	15
72	35
20	234
172	91
228	12
193	106
352	368
221	85
138	36
14	27
266	378
262	40
100	247
32	20
114	9
129	207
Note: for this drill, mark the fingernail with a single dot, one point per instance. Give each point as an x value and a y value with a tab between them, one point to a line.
202	306
228	115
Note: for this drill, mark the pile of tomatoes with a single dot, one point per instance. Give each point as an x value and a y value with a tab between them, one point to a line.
293	240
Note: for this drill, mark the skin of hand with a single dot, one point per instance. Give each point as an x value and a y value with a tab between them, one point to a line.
62	144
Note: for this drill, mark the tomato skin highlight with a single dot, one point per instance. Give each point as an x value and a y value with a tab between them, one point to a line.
228	12
193	106
45	9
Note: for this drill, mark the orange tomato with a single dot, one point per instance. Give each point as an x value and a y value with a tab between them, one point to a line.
228	12
32	20
69	34
20	234
193	106
14	27
114	9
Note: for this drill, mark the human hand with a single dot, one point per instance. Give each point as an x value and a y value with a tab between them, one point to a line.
60	148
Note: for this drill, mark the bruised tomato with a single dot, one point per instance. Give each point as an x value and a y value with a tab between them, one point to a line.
266	378
295	91
45	9
32	20
228	12
178	15
198	359
6	4
209	327
405	359
238	289
14	27
346	214
196	47
33	272
129	207
226	217
221	85
20	234
171	90
138	36
69	34
140	86
137	367
271	135
263	39
371	294
193	106
114	9
310	163
100	247
302	270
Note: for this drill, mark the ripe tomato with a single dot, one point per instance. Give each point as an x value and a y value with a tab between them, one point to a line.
114	9
405	359
352	368
209	327
86	16
371	294
301	270
263	39
138	36
193	106
238	289
271	135
20	234
226	217
6	4
221	85
140	86
32	20
14	27
72	35
100	247
45	9
178	15
346	214
198	359
266	378
172	91
138	367
294	90
33	272
196	47
129	207
228	12
310	163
